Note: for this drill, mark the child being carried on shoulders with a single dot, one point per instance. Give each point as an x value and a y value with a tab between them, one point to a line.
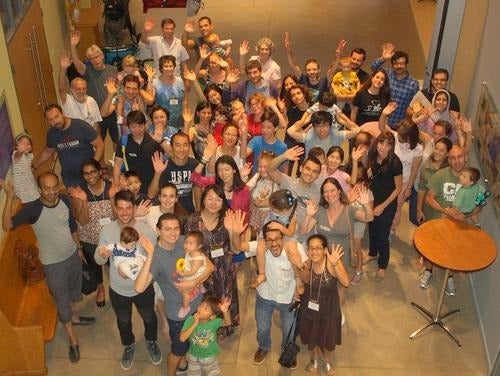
194	265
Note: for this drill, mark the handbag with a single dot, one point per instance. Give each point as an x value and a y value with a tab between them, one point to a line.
289	353
30	266
89	279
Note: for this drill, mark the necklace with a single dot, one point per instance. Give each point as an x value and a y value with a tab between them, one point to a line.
102	194
87	111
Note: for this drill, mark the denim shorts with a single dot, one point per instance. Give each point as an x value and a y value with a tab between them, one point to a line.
174	330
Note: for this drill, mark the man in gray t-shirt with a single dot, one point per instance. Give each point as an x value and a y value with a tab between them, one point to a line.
122	292
60	250
304	188
160	265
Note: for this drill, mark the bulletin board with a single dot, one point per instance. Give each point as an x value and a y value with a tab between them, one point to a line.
6	137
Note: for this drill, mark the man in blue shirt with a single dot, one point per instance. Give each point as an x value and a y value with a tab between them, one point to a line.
403	86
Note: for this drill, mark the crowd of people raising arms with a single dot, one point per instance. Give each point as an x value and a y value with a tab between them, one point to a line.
275	158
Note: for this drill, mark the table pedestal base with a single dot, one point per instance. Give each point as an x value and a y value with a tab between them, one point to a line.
437	319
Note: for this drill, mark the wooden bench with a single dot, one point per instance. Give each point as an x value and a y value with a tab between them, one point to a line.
28	316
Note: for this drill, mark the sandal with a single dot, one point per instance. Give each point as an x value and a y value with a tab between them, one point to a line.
312	366
330	371
380	275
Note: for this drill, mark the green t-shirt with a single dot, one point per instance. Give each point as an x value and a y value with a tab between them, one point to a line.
445	185
203	340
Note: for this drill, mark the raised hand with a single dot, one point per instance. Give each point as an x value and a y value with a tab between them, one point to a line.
340	47
146	244
363	194
74	38
311	208
115	188
293	154
77	192
246	170
358	152
233	76
464	124
388	50
210	148
149	24
224	304
111	86
244	48
335	255
143	208
159	165
264	192
150	71
65	60
234	221
288	42
204	52
271	103
390	108
189	75
187	115
189	26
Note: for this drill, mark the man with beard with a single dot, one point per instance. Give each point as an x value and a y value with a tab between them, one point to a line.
74	140
60	250
403	86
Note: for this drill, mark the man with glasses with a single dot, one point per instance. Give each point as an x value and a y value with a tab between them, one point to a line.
276	292
439	81
60	250
403	86
96	74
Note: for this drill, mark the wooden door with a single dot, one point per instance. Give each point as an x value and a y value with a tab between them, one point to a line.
32	72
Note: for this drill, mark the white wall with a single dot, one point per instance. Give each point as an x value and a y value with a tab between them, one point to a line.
486	283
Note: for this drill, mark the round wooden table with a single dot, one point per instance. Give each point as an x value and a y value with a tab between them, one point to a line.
452	245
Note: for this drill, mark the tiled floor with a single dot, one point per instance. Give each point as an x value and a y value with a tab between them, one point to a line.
379	316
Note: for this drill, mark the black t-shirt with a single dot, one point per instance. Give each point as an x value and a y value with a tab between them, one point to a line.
362	76
293	114
382	182
138	158
369	106
181	177
315	89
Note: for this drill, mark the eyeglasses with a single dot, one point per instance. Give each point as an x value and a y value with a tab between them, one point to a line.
90	173
94	57
271	241
315	248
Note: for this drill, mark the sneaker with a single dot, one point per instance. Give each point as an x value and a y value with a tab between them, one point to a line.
294	364
74	353
259	356
425	279
154	352
128	357
356	278
451	288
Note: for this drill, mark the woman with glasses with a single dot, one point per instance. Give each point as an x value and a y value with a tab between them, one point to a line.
221	229
319	312
92	205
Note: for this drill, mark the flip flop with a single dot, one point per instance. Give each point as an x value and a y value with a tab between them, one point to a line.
84	321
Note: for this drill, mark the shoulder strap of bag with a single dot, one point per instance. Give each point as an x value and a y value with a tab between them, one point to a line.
292	327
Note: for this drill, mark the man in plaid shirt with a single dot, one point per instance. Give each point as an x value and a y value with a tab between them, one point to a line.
403	86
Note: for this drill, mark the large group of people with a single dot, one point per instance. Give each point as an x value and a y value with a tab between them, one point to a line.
257	163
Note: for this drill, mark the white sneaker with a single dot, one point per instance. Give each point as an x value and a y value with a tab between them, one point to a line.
451	288
425	279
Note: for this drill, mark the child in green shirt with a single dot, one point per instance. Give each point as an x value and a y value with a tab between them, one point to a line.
201	330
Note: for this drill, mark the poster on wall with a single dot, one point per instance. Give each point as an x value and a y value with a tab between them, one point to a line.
488	143
6	137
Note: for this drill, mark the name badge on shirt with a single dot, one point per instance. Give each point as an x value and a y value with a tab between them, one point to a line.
325	228
174	102
217	253
313	306
104	221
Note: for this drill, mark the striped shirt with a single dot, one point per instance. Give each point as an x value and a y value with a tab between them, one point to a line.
25	186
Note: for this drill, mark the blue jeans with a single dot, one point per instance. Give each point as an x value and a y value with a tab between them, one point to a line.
263	317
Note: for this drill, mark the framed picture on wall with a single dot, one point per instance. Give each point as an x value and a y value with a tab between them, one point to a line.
488	143
6	137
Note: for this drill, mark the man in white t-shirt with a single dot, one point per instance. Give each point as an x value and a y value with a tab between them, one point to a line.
75	102
165	44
